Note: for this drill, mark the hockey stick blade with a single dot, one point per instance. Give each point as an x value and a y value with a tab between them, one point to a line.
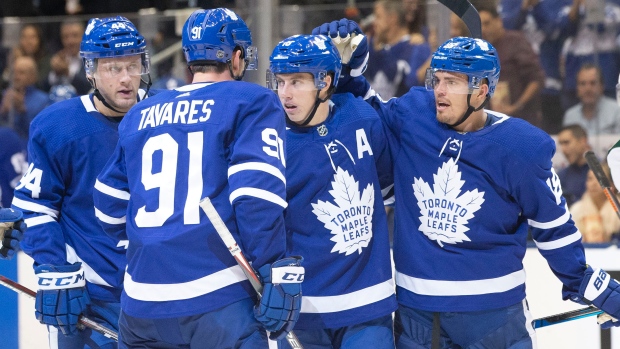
235	251
565	317
603	180
82	321
468	13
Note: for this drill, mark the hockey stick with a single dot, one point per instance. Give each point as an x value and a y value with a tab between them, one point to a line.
235	250
567	316
83	321
468	13
600	175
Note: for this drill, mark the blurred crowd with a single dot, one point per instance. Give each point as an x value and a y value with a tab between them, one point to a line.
560	67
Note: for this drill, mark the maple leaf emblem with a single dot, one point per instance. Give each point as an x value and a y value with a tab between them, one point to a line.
444	211
350	218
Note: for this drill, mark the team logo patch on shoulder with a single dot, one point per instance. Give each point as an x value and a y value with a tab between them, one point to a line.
350	218
444	211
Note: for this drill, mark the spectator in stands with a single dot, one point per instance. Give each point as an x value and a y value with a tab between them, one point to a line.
594	215
13	164
573	140
595	26
66	64
597	113
22	101
547	29
522	78
30	44
395	54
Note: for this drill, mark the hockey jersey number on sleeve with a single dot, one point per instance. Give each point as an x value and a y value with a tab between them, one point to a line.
31	181
275	145
555	186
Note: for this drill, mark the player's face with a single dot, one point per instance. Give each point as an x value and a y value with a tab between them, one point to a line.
451	90
118	80
297	94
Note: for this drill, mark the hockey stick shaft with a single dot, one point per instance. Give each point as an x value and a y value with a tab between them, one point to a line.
565	317
235	250
84	321
603	180
468	13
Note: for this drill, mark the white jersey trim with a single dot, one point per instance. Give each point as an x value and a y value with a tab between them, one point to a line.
258	193
365	296
113	192
185	290
554	223
31	206
89	273
460	288
88	104
257	166
109	220
559	243
38	220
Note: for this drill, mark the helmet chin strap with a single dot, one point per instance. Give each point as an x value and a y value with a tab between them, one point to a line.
317	102
469	110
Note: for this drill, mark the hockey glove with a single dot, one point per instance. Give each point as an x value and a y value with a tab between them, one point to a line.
278	309
12	228
352	45
61	297
601	290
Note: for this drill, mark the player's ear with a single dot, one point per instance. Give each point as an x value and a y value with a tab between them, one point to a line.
237	61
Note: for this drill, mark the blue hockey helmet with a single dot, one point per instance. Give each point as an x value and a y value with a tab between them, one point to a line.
314	54
212	36
112	37
475	58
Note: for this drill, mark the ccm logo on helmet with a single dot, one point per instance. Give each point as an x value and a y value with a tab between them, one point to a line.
124	44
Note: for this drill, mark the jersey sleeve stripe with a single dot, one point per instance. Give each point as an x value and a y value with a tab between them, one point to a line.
113	192
559	243
257	166
31	206
460	288
34	221
109	220
172	292
553	224
258	193
365	296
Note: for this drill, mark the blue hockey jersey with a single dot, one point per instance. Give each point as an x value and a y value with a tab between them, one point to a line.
464	202
70	142
223	140
336	219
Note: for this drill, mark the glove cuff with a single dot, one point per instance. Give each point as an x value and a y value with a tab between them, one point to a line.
60	277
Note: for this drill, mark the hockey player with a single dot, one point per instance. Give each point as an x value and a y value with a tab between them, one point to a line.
469	182
216	138
79	268
338	162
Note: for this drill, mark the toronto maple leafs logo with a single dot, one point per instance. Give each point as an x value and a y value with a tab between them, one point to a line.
350	218
445	212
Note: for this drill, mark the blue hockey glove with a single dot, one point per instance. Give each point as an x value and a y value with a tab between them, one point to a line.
61	297
12	228
278	309
601	290
351	43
